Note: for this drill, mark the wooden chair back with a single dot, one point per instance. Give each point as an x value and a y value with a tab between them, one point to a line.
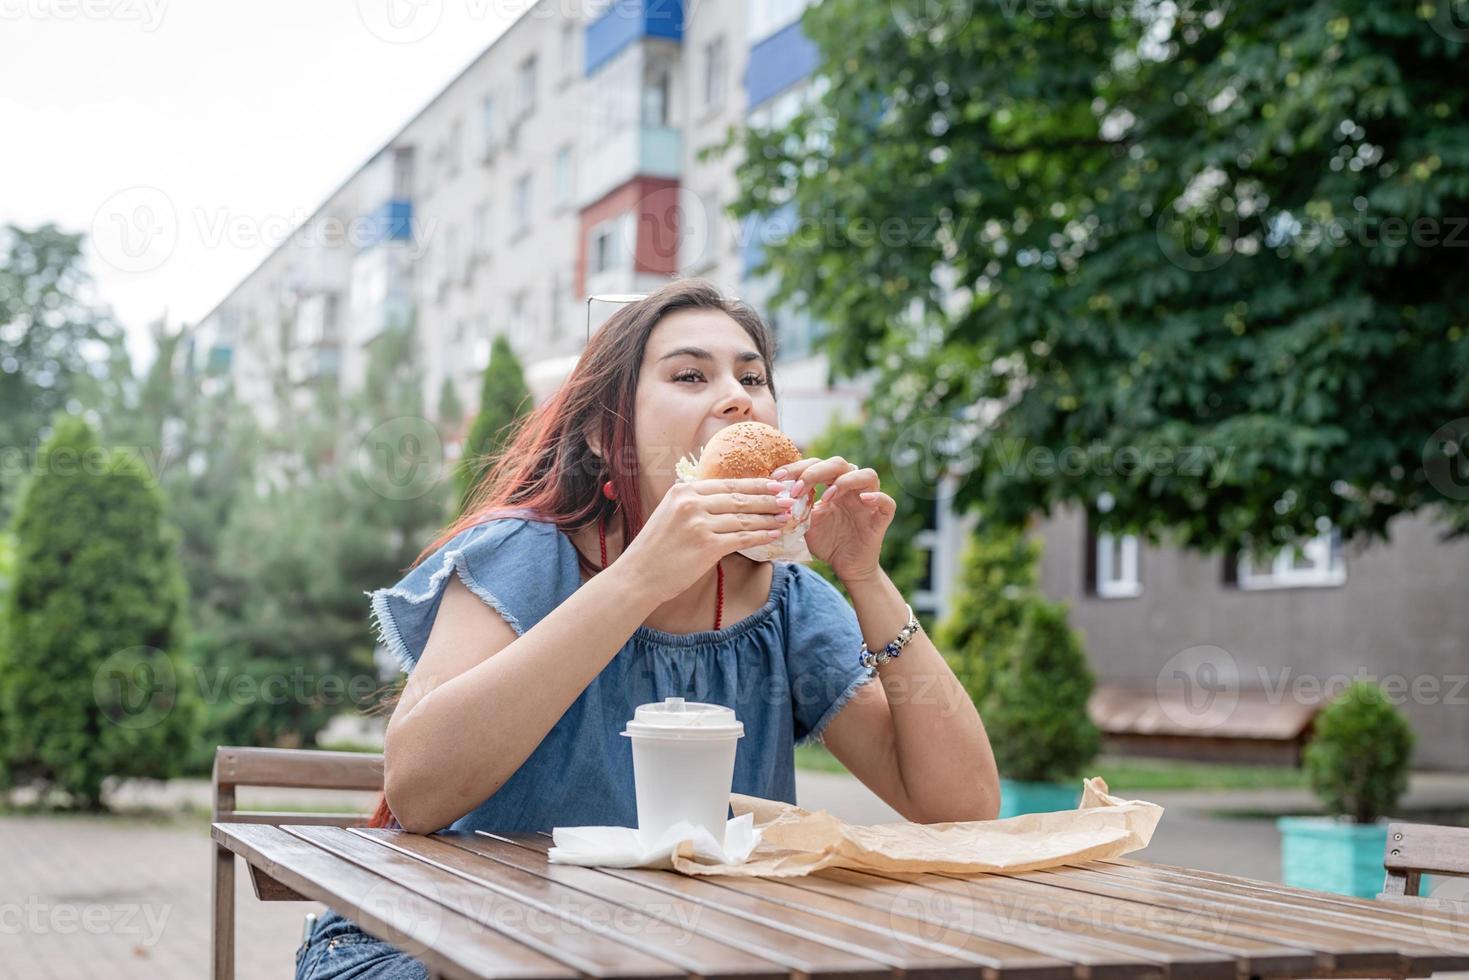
236	766
1416	849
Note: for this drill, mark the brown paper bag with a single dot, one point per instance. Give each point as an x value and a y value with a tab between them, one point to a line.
797	842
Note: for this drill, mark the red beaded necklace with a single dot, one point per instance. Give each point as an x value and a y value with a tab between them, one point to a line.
718	568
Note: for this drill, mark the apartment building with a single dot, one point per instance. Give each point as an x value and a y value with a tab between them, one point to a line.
563	163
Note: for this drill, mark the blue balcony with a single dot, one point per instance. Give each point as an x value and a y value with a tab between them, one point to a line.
392	221
627	21
778	62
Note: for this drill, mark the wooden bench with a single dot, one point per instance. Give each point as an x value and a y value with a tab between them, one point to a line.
276	768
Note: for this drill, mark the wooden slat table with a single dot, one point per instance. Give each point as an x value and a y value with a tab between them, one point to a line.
491	905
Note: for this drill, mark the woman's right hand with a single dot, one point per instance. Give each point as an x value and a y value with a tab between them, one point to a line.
698	523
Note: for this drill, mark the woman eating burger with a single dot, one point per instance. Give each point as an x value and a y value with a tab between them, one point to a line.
587	577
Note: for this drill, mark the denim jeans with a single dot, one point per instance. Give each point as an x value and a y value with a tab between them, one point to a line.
338	950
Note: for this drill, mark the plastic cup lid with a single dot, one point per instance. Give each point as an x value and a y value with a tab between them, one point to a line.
677	718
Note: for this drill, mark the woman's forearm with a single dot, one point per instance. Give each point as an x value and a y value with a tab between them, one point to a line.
466	737
942	751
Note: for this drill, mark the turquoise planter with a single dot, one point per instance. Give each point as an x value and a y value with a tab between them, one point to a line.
1329	856
1018	797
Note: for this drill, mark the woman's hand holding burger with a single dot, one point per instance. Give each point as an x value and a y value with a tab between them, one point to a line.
848	523
698	523
723	503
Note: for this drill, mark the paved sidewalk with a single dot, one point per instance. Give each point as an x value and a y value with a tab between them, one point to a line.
104	898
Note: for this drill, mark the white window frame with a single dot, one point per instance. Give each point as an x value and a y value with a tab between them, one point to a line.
489	122
1121	582
454	264
716	73
944	544
480	240
558	305
525	87
480	358
453	147
1327	567
569	67
655	108
523	199
600	259
561	184
519	319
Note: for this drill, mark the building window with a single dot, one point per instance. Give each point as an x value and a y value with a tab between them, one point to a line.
1319	563
489	127
314	320
481	245
453	261
560	305
454	147
569	67
1112	559
481	356
561	193
941	541
1117	566
521	222
604	252
714	74
402	172
655	99
525	87
519	319
925	595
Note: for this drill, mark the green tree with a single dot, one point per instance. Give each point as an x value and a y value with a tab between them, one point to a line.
1035	708
995	586
91	684
1226	238
503	399
1359	754
55	342
7	565
451	409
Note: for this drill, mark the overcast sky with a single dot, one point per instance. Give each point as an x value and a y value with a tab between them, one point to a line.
188	136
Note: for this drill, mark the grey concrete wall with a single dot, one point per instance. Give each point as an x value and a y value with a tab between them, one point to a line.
1402	617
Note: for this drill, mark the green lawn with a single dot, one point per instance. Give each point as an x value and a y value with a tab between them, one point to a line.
1128	776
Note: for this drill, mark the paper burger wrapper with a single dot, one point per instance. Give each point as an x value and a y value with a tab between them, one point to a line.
790	546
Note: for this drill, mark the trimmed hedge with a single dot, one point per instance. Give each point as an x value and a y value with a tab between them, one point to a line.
91	684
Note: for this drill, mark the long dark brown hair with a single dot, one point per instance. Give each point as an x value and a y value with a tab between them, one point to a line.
547	466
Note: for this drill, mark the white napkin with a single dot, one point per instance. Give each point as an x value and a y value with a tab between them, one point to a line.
622	847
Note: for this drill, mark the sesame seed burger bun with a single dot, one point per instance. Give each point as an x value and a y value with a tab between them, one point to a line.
745	450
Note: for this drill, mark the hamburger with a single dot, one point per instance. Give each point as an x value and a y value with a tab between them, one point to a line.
745	450
742	451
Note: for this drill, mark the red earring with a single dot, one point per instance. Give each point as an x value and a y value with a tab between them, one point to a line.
608	492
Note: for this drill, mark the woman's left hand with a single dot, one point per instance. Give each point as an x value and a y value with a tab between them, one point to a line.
850	519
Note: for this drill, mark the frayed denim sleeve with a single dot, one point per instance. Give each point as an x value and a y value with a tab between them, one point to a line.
511	564
823	642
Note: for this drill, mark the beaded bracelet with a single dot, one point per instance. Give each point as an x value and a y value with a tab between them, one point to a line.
870	660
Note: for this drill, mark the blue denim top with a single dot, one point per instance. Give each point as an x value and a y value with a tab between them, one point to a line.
786	670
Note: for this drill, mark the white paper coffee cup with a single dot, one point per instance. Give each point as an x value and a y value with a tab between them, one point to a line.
683	755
